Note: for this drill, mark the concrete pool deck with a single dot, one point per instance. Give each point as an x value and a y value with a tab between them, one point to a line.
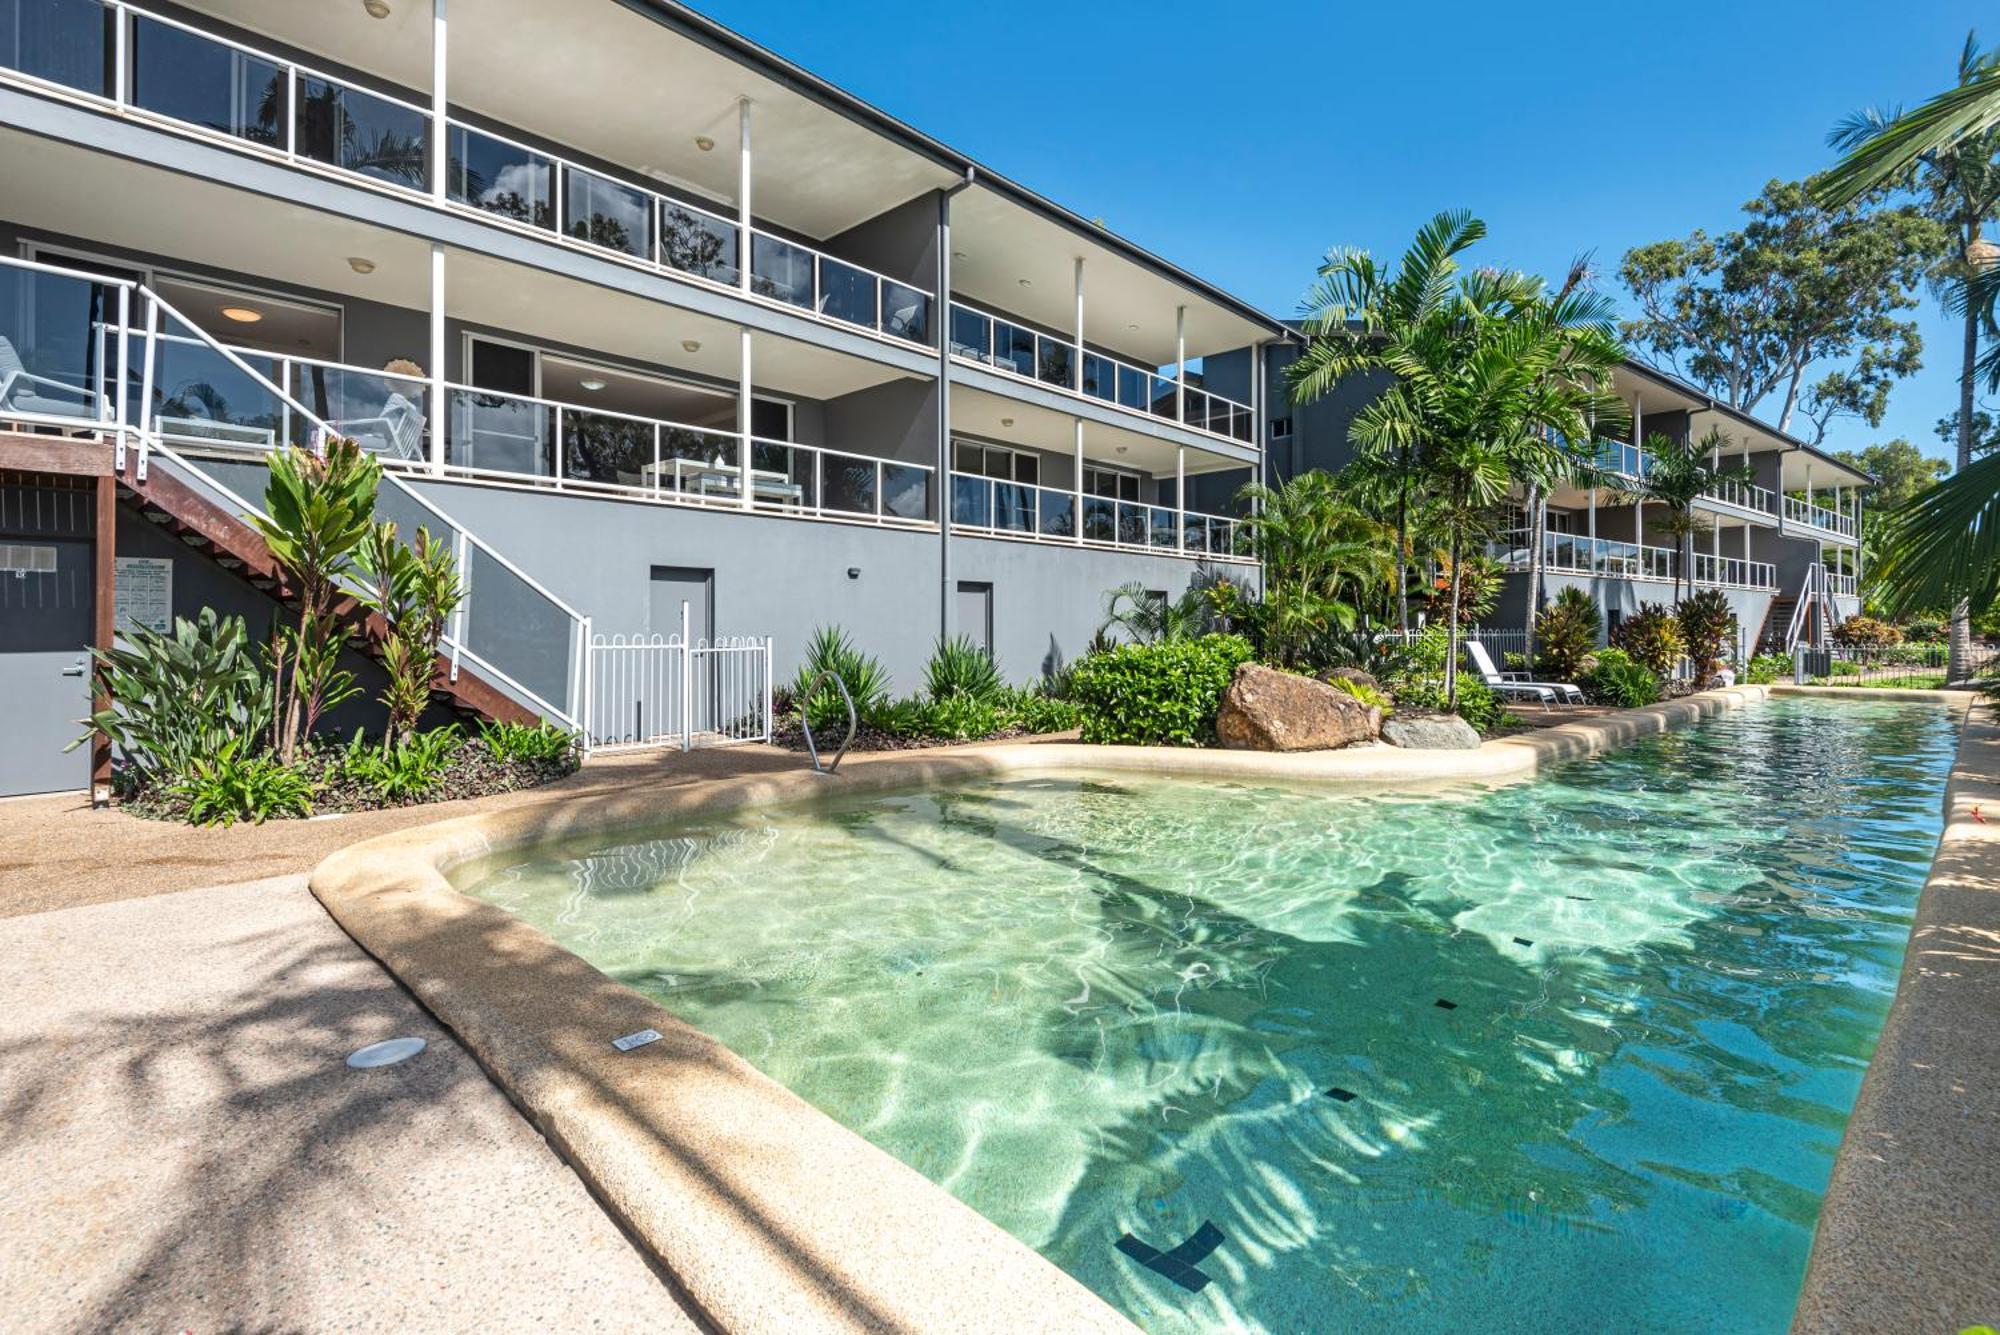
767	1213
184	1148
1909	1229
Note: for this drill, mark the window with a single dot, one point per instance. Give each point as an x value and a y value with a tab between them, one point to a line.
1110	483
996	461
1281	427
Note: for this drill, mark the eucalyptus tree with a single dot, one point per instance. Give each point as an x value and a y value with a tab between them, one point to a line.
1677	474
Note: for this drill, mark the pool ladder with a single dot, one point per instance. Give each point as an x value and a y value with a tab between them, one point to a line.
805	721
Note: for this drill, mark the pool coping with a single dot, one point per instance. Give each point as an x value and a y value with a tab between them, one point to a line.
762	1211
1909	1227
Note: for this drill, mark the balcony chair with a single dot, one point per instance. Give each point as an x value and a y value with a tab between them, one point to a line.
1516	685
22	391
400	426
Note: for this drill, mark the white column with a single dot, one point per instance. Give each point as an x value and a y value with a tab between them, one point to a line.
437	393
1180	363
1180	497
1076	372
1591	522
1077	481
743	418
743	241
440	136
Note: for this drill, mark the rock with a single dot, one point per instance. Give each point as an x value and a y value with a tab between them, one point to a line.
1356	674
1267	710
1437	732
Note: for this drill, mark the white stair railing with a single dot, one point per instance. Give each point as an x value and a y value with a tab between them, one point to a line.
508	619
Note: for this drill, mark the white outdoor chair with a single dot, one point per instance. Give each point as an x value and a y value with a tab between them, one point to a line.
22	391
400	425
1502	682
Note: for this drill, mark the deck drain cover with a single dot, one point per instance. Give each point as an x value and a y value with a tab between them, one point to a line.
1340	1095
1444	1005
386	1053
1523	941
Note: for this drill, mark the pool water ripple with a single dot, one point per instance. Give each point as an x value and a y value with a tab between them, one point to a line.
1093	1007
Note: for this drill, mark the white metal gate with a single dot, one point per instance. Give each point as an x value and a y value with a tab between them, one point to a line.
668	690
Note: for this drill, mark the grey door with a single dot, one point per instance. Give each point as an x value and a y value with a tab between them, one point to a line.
47	610
974	613
674	585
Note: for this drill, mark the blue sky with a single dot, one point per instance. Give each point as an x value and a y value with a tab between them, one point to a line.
1242	140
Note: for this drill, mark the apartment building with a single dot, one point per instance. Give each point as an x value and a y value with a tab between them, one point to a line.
636	314
1784	546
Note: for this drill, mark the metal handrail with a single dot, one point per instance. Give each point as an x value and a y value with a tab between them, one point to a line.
805	721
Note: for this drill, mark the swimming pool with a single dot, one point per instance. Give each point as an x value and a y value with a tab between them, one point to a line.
1567	1054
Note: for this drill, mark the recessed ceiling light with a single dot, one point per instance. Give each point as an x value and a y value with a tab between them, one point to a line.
704	143
377	9
1006	421
241	314
1026	282
360	264
690	345
592	383
958	254
1131	326
1123	448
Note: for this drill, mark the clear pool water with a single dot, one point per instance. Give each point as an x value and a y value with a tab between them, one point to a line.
1099	1007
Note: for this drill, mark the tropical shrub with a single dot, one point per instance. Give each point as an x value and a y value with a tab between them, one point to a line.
867	680
1371	696
957	718
411	768
236	784
522	741
415	589
1617	678
1925	630
1477	704
1479	580
1767	668
1382	656
1651	637
178	698
1705	617
1864	632
320	508
1037	711
1566	634
1163	694
1144	615
958	667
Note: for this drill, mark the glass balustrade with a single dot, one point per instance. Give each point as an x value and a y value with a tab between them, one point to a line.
62	41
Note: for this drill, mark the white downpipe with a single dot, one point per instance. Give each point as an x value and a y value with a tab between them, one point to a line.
1077	537
744	226
1180	497
743	404
687	681
437	393
1076	372
440	107
1180	364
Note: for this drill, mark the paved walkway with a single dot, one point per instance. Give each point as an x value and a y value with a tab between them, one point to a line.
182	1146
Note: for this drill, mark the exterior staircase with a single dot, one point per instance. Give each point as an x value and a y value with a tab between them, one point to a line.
181	510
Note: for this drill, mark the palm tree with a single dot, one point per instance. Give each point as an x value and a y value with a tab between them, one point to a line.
1677	474
1507	382
1360	321
1942	549
1320	555
1959	185
1149	617
1939	125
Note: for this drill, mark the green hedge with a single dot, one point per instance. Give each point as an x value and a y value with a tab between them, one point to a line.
1161	694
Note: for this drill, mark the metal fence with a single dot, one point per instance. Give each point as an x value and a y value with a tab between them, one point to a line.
658	691
1915	666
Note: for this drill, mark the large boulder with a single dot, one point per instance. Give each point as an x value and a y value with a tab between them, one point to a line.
1430	732
1267	710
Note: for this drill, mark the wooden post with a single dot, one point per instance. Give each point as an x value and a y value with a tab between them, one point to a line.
105	605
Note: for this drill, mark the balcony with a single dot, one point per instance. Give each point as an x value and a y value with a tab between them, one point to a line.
1819	517
1744	496
170	73
1844	586
1048	514
1622	458
994	341
1570	553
